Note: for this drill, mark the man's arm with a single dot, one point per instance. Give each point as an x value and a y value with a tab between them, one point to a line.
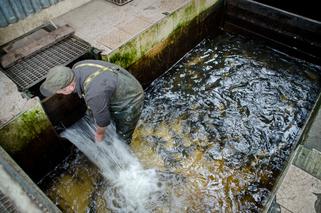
100	108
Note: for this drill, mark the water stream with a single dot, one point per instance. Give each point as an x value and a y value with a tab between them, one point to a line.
215	133
129	187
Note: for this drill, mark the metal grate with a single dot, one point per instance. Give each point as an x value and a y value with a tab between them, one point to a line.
6	205
119	2
31	71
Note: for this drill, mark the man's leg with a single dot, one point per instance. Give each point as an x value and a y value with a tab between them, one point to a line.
127	119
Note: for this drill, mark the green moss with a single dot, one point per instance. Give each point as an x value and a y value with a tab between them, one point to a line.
128	54
202	4
123	59
125	55
23	129
189	10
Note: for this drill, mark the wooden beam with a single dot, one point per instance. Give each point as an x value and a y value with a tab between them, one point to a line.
34	47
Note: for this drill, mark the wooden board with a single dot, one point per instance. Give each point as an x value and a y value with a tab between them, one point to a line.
35	46
19	43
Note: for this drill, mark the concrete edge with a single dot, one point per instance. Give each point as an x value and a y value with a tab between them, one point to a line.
142	43
297	147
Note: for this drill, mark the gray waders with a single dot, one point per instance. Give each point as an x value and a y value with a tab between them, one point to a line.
126	102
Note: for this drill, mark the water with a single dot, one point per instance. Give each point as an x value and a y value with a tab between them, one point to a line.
130	187
215	133
226	117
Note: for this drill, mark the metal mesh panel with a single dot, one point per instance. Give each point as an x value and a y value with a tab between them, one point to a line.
31	71
6	205
119	2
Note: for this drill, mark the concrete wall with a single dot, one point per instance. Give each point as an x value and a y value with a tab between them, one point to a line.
12	102
18	133
32	142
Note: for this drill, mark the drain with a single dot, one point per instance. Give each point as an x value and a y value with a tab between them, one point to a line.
119	2
32	70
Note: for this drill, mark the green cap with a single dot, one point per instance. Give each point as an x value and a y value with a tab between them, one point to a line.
57	78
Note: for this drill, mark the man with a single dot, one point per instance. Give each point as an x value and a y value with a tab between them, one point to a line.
110	92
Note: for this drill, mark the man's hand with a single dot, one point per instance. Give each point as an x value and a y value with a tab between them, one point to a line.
99	137
100	134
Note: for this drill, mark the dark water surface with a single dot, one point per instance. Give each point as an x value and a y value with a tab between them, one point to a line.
225	118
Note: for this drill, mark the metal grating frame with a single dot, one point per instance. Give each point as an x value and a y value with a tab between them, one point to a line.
119	2
6	205
30	71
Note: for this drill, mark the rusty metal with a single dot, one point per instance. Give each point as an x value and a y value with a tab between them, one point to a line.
31	71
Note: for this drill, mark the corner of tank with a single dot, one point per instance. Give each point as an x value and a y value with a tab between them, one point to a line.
31	134
24	129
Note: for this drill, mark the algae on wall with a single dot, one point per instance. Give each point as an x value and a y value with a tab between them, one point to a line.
23	129
31	140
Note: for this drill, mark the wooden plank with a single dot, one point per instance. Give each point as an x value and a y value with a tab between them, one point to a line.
25	40
34	47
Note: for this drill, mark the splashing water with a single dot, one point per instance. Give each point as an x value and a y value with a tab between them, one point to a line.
133	188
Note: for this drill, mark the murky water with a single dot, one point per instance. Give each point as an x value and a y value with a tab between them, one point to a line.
224	119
